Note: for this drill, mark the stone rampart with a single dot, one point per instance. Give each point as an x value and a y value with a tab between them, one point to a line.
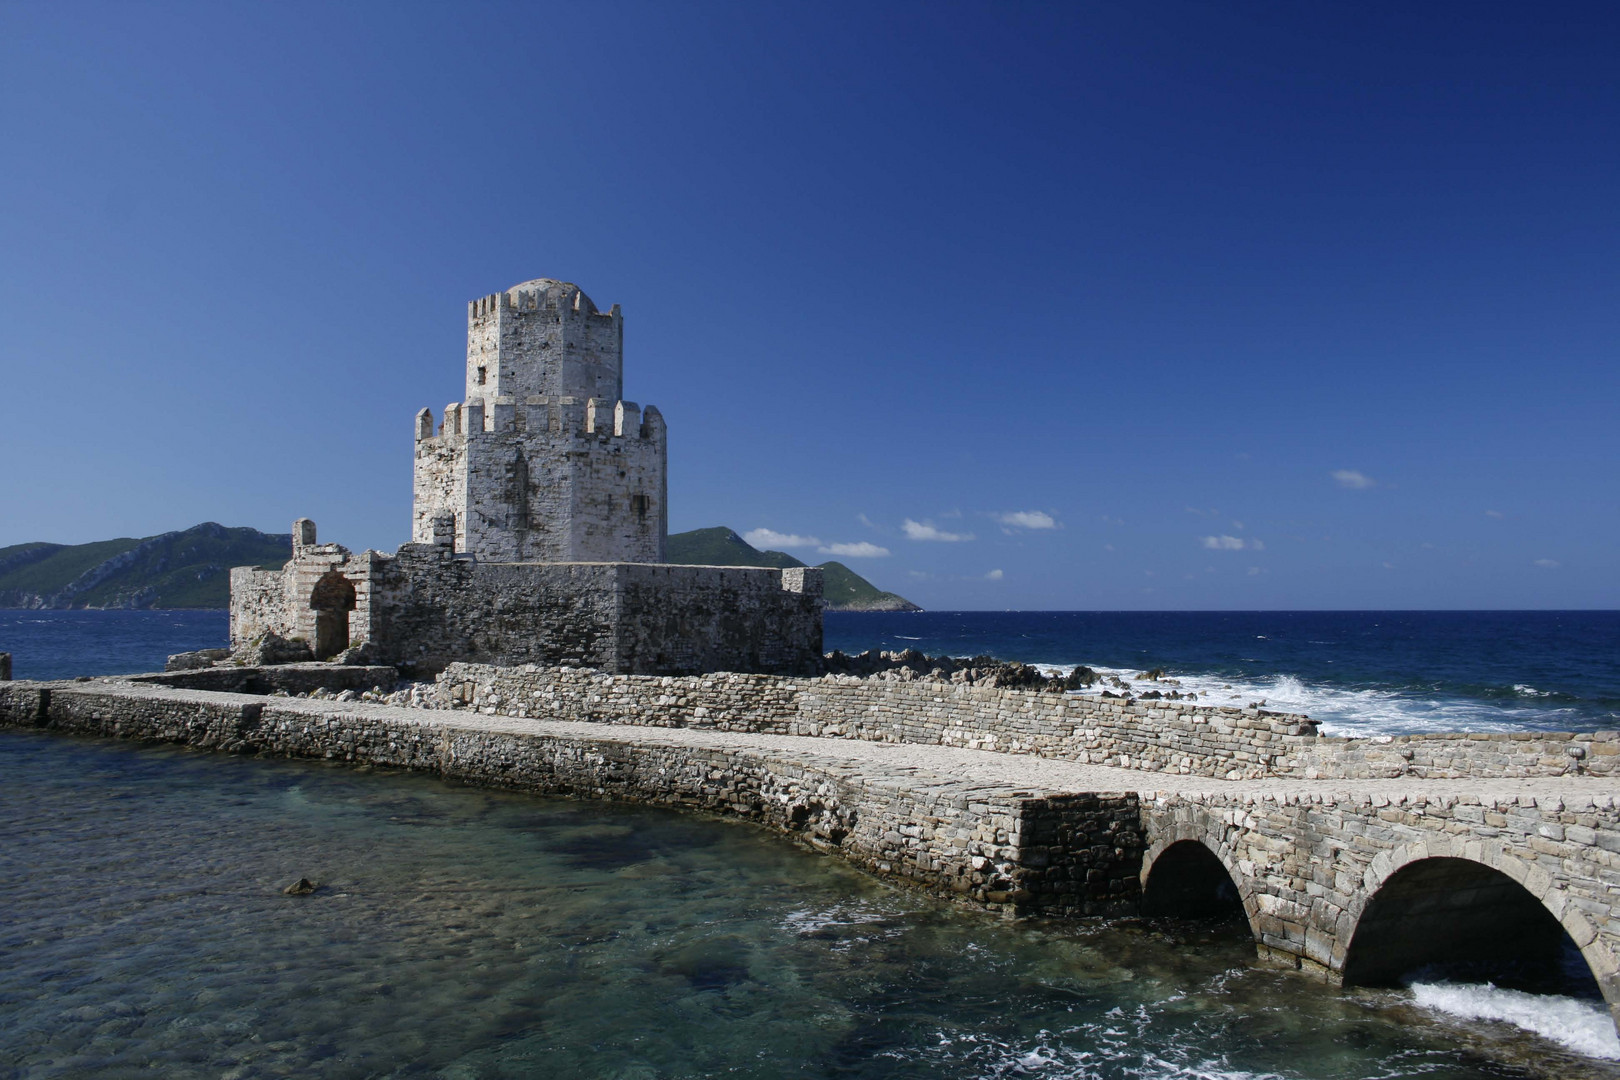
1154	736
1354	879
425	607
988	843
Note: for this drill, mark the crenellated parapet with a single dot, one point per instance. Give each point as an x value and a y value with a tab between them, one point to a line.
545	338
544	460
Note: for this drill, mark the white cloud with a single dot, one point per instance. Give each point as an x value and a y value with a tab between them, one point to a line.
1238	525
1027	519
1547	564
994	575
864	520
1350	478
862	550
1255	571
1231	543
770	538
1389	566
1108	547
1493	514
921	530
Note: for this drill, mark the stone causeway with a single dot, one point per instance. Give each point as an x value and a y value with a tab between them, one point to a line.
1351	860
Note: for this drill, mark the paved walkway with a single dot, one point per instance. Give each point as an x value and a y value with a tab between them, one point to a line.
1022	772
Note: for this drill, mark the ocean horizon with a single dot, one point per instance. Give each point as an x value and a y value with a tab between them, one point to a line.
1364	673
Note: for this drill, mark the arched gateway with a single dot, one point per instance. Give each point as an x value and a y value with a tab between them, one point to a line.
332	599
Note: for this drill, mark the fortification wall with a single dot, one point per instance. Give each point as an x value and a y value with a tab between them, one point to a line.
258	604
1153	736
979	841
545	479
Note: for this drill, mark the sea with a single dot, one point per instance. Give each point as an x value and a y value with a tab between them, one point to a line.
464	933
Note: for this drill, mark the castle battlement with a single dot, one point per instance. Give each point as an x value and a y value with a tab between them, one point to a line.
543	459
542	416
539	521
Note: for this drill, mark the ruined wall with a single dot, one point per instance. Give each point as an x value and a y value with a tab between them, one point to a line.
258	604
1159	736
426	608
1151	736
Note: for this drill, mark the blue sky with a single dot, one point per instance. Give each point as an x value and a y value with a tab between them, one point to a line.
1176	306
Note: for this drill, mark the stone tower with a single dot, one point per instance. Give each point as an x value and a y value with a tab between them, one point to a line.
543	461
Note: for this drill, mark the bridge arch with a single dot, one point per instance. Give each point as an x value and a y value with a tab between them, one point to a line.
1421	907
1185	875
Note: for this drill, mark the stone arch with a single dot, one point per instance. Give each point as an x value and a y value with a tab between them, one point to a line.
1422	906
1174	842
332	598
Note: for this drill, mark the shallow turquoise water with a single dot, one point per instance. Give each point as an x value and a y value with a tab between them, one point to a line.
467	933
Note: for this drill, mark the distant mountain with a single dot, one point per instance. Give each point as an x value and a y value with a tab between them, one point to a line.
191	569
187	569
844	589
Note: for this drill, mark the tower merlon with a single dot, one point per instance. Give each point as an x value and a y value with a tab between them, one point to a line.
802	579
303	535
627	419
472	417
652	423
424	425
536	414
598	417
503	414
452	420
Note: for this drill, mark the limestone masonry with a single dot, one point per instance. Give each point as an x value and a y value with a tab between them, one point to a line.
1470	848
538	531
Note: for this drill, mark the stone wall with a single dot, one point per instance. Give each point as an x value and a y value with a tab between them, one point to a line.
425	608
1308	863
544	460
1153	736
962	839
1157	736
545	479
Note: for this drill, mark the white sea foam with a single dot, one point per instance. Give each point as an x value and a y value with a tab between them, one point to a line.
1583	1026
1340	711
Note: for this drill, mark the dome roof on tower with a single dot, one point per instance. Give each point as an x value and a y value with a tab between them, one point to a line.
550	290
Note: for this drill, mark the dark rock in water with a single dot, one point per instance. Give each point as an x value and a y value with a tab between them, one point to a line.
302	887
1080	678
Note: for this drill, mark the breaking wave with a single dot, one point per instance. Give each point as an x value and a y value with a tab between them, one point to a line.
1582	1026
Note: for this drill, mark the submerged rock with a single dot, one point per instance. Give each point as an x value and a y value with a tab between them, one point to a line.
302	887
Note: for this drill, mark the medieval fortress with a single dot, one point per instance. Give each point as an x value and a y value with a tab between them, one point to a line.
566	658
538	530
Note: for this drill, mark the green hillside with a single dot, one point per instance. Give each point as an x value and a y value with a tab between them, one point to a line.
844	589
186	569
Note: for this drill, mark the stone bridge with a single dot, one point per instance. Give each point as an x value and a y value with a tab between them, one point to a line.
1365	883
1359	879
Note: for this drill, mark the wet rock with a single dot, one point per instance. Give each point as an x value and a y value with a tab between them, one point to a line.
302	887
